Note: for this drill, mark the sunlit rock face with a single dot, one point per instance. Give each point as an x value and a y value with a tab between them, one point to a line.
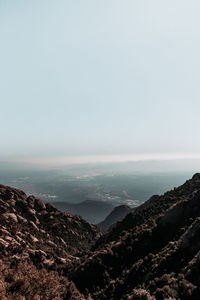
37	238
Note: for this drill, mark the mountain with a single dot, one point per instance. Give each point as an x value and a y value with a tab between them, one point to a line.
116	214
153	253
93	211
38	244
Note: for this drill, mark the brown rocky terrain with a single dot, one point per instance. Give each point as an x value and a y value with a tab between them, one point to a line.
152	254
38	242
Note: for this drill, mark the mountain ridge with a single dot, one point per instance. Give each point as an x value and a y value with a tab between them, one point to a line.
153	253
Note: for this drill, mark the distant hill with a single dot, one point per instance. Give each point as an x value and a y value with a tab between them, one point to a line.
93	211
116	214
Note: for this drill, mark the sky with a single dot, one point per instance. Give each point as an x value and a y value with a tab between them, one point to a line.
86	78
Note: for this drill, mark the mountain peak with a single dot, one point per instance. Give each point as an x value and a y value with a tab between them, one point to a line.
118	213
196	177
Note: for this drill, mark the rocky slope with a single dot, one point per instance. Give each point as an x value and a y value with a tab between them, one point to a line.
153	253
36	236
116	214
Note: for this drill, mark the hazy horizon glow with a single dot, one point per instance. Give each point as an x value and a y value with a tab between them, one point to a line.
72	160
99	78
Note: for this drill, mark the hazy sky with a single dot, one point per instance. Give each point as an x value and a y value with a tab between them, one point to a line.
88	77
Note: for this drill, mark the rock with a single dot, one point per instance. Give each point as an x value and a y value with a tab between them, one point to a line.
10	216
31	201
34	225
50	207
3	243
39	205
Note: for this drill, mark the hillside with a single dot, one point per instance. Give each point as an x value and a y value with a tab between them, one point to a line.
35	239
153	253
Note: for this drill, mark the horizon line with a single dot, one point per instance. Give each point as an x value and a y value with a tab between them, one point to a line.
85	159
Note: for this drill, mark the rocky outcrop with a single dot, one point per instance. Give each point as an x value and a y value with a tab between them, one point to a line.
36	236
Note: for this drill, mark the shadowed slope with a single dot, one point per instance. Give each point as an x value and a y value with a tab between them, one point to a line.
152	254
116	214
